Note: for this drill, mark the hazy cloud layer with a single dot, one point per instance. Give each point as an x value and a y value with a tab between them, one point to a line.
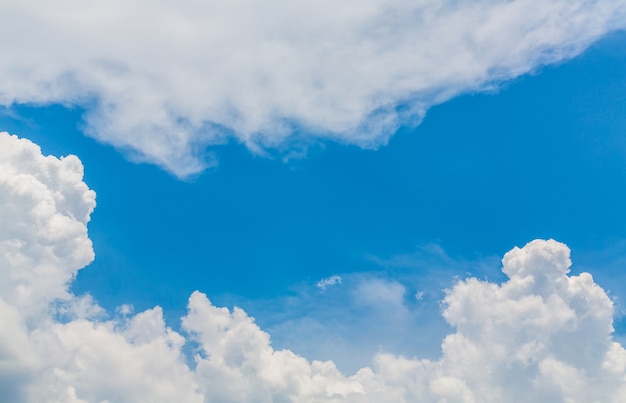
540	336
166	79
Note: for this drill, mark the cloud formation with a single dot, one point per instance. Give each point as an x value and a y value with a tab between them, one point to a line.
165	80
543	335
329	282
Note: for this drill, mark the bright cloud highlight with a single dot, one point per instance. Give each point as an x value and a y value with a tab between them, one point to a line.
541	336
329	282
165	80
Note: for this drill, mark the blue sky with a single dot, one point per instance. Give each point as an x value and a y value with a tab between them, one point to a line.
256	209
543	156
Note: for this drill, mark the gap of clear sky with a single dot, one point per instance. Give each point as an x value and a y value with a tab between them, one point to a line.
542	157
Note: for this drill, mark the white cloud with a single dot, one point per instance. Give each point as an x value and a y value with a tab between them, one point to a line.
55	346
44	208
540	336
329	281
166	79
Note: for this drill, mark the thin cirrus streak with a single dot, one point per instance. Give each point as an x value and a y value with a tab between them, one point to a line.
543	335
167	80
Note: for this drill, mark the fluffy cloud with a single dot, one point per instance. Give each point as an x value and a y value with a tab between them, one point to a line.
44	209
543	335
167	79
55	346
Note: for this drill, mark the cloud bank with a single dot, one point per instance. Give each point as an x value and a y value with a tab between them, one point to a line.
164	80
541	336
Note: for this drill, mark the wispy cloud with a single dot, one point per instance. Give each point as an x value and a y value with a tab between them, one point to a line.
166	79
542	333
329	281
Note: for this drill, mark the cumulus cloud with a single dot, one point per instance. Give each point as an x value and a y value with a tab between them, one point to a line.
542	335
55	346
165	80
44	209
